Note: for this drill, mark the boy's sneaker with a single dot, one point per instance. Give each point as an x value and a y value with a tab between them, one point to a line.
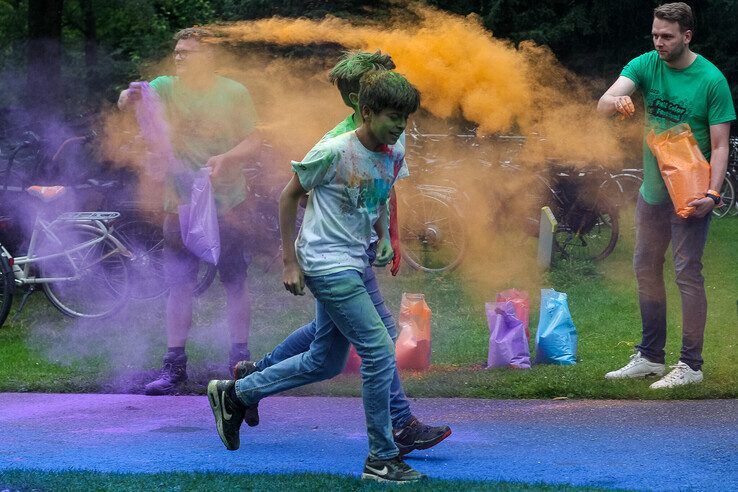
173	374
638	367
680	375
235	357
391	470
417	435
228	411
243	368
240	370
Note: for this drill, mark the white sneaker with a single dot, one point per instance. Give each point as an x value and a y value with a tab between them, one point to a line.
638	367
680	375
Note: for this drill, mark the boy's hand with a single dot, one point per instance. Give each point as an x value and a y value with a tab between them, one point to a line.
624	105
395	268
130	96
702	206
217	164
134	91
293	279
384	252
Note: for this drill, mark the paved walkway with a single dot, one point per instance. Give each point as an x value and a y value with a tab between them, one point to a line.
621	444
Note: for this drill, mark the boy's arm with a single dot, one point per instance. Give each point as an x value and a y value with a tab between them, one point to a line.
292	276
719	141
384	246
248	148
617	98
394	232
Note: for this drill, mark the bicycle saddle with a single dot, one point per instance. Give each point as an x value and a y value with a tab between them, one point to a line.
46	193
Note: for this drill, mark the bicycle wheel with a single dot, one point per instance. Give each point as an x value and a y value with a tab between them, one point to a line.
727	204
145	240
205	276
432	234
6	288
621	189
588	233
89	281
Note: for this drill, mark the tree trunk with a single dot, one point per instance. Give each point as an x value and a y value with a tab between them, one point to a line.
90	34
43	55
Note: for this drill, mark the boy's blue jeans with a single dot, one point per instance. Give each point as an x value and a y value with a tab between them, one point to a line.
344	314
299	341
656	227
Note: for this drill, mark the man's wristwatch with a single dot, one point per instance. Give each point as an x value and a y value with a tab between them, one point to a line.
714	195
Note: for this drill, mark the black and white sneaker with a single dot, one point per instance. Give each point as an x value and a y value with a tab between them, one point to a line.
228	411
391	470
417	435
240	370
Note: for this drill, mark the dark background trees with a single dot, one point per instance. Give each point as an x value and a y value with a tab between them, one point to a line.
71	54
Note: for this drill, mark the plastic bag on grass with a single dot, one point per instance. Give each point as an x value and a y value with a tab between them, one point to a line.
685	170
198	219
413	347
556	338
508	343
521	301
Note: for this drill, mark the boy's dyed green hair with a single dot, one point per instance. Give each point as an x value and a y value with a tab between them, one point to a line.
353	65
386	89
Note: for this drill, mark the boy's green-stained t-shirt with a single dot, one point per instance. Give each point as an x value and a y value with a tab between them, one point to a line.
349	186
348	125
204	124
697	95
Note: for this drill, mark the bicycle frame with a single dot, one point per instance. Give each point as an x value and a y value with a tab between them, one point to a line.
22	264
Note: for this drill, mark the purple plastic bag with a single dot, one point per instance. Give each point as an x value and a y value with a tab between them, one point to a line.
198	220
508	344
154	130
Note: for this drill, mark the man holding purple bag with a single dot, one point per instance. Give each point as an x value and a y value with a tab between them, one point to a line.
211	123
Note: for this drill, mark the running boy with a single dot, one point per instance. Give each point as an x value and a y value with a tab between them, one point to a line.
349	178
409	432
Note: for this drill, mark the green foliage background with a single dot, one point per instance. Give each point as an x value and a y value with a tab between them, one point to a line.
593	37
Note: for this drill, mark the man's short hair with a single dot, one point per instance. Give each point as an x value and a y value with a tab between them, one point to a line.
678	12
382	89
353	65
196	33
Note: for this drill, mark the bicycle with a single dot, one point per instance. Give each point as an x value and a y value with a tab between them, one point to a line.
81	267
588	220
432	223
728	205
142	234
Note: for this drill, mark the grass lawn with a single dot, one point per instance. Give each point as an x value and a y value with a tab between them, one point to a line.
44	351
84	481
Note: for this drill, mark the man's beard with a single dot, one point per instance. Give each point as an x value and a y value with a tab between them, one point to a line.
676	53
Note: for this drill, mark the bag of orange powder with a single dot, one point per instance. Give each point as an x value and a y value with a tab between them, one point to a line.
685	170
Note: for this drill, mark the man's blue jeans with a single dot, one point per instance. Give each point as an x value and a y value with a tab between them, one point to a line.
656	227
344	314
299	341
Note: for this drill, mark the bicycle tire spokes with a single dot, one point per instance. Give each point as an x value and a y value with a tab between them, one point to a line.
95	277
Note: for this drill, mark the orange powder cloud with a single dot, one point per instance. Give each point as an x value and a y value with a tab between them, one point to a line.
463	71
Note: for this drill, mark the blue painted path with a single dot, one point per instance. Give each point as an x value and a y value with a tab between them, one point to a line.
658	445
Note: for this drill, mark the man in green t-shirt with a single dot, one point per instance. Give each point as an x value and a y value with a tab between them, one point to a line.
678	86
211	122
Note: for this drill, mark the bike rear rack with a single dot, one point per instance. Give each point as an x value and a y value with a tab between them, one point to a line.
88	216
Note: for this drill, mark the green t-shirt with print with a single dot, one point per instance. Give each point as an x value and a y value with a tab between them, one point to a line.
697	95
203	124
347	125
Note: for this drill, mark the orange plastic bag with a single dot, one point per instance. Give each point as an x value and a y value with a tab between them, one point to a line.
413	347
685	170
353	364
